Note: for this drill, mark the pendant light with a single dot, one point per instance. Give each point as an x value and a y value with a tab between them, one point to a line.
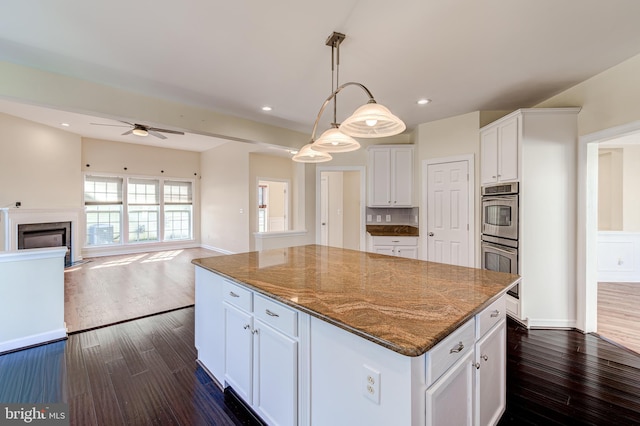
371	120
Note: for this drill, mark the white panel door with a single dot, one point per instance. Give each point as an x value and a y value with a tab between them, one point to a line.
448	213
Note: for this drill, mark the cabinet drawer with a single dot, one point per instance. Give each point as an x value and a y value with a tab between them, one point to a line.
447	352
395	241
238	296
277	315
490	316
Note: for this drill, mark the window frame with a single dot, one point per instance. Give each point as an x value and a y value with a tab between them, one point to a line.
124	214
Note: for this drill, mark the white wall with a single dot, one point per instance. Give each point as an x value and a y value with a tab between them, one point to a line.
352	211
39	165
631	189
224	197
610	189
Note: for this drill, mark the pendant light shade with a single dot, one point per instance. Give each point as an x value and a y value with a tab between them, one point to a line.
333	140
372	120
308	155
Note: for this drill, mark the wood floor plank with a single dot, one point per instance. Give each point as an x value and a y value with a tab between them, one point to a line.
618	313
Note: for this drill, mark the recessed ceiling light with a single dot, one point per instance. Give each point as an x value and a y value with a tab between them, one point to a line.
266	108
423	101
65	124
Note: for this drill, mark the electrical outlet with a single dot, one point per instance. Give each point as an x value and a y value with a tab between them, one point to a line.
388	218
369	218
378	218
371	383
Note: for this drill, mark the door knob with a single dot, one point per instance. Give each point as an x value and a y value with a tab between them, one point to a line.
430	234
323	223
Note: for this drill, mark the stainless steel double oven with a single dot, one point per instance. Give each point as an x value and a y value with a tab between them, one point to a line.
499	245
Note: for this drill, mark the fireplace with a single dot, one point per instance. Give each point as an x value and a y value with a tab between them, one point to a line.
39	235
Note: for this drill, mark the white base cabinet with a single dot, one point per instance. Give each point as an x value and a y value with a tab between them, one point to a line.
395	246
450	399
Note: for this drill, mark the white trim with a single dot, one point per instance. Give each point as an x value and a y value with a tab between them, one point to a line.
32	254
587	231
266	235
552	323
363	201
34	339
471	208
223	251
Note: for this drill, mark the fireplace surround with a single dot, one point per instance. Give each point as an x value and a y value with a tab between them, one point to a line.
41	235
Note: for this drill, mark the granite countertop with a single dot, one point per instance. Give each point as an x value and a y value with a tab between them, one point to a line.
393	230
405	305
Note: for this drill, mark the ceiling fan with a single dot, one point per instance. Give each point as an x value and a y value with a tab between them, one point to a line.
142	130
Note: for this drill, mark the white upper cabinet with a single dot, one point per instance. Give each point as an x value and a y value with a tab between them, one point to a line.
499	152
390	176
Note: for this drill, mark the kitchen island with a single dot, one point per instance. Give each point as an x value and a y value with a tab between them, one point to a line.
321	335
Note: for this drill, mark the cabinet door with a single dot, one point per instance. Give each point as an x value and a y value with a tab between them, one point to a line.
402	177
209	322
276	378
388	250
379	178
410	252
508	151
239	351
491	376
449	399
489	156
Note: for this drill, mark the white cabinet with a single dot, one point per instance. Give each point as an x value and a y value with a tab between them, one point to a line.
490	362
466	372
543	160
499	152
261	354
450	399
209	322
395	246
390	176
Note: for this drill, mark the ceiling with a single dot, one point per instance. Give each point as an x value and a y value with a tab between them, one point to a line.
234	57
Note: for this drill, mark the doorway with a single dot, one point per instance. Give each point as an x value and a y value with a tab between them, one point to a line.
601	252
450	210
340	207
273	205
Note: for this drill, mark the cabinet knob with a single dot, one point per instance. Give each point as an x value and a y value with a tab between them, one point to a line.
246	326
494	177
255	331
476	365
431	234
485	357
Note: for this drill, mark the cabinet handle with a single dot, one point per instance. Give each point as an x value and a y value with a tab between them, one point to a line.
495	313
476	365
395	241
246	326
457	349
485	357
271	314
232	294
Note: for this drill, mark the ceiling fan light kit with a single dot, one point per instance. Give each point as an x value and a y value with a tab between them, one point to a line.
371	120
142	130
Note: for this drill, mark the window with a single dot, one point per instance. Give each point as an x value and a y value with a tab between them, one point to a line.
143	208
103	202
156	210
178	200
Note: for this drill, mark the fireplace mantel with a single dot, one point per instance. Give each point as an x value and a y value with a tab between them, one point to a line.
10	218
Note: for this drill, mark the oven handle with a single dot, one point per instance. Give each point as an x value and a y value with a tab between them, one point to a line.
499	248
506	197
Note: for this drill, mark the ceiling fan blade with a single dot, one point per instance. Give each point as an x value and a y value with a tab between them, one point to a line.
128	132
173	132
156	134
112	125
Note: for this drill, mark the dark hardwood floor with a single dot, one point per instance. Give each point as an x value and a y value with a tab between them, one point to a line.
144	372
107	290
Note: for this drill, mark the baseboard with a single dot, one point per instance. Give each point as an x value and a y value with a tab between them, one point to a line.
552	323
223	251
33	340
117	250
